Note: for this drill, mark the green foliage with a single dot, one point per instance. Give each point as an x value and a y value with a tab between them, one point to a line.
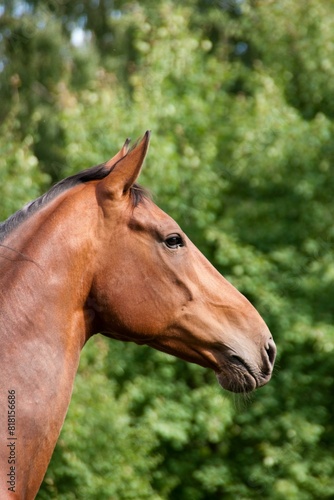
239	96
21	180
123	457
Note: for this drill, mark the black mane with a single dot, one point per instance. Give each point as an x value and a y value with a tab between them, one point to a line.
91	174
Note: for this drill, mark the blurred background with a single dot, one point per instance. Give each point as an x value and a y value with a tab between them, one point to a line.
239	95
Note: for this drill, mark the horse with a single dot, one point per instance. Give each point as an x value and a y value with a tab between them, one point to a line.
96	255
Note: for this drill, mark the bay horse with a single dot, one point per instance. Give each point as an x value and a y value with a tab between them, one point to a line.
96	255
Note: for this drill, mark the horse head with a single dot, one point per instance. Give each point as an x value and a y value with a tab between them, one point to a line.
153	286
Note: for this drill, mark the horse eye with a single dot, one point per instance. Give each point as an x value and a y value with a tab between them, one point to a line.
174	241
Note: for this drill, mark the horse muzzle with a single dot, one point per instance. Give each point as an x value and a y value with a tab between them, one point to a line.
240	374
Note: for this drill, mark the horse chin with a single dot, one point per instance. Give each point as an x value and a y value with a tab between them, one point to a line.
238	383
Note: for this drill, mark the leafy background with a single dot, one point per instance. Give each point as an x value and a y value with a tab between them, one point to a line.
239	95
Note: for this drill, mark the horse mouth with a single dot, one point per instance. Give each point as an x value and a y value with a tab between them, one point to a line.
238	376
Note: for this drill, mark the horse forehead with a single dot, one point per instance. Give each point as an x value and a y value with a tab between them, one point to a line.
149	214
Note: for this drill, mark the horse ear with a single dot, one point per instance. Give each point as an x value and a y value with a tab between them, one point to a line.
125	171
110	163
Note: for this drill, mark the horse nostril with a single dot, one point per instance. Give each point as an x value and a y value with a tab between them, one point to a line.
271	351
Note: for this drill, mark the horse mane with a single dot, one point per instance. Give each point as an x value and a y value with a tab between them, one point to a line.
98	172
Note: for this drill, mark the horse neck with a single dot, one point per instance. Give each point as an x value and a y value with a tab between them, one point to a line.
44	284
